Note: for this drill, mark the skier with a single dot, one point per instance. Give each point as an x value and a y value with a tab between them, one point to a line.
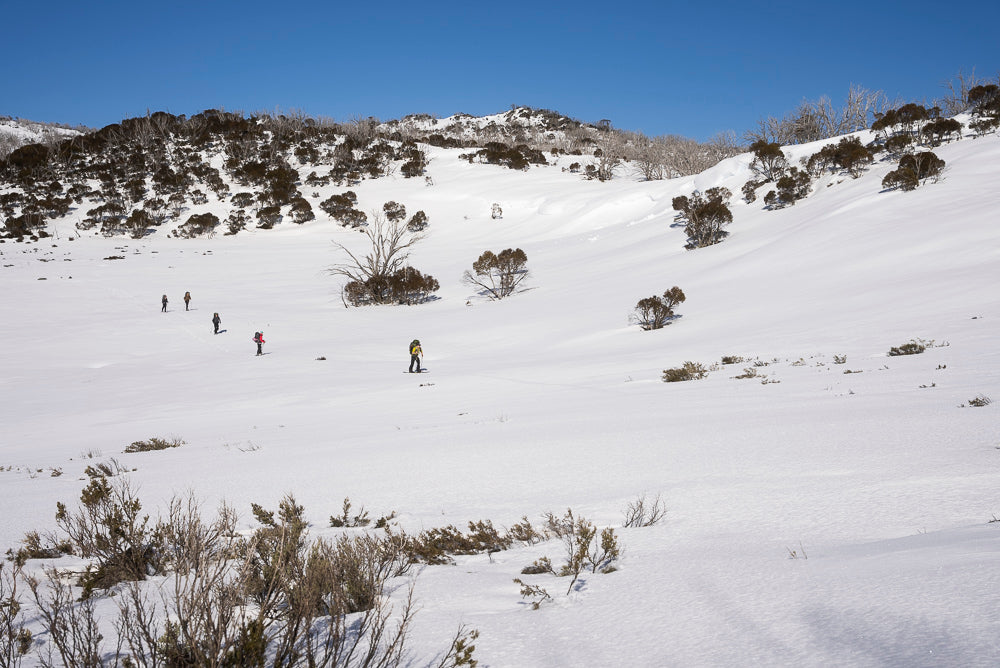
164	300
187	300
416	352
216	320
258	338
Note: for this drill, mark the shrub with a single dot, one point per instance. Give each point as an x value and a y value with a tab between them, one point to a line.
848	154
705	214
198	224
914	168
689	371
15	638
237	221
498	274
108	527
655	312
792	186
301	210
941	129
268	217
749	190
436	546
394	211
418	222
341	208
359	519
153	444
409	286
980	400
911	348
583	550
768	160
38	546
644	512
382	276
512	157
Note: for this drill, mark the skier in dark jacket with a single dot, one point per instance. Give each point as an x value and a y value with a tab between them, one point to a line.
216	320
416	352
187	300
258	338
164	300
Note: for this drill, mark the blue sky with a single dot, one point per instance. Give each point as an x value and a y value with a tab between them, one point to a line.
692	69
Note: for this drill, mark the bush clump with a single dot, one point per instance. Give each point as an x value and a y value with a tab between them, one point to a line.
655	312
154	443
689	371
914	169
704	215
911	348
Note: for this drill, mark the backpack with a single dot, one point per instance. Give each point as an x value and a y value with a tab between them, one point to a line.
258	337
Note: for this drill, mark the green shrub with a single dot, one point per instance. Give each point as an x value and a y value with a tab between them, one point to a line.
109	528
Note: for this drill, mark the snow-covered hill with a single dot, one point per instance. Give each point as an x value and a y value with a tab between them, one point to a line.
828	504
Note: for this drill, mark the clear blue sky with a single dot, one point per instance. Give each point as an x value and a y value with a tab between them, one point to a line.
692	68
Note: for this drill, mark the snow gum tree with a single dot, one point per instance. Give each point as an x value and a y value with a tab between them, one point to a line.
498	274
705	214
655	312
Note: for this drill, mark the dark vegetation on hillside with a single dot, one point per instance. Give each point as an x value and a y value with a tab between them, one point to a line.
133	177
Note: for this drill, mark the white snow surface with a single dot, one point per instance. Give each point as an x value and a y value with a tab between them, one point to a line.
881	481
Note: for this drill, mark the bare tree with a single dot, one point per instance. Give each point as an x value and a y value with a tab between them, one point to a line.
389	247
820	119
610	152
956	100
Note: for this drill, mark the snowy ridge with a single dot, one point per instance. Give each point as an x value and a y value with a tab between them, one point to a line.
830	507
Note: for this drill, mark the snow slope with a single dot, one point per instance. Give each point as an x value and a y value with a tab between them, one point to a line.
882	481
